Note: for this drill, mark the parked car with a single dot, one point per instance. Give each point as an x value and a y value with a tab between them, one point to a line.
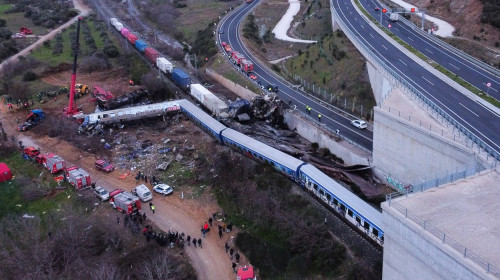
104	165
359	124
253	77
101	193
163	189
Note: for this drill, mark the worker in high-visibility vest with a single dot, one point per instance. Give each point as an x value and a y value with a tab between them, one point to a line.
319	117
309	110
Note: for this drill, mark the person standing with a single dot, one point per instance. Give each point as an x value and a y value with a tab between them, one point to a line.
210	221
188	239
144	216
319	117
234	267
220	233
231	251
194	242
199	243
152	207
226	246
237	257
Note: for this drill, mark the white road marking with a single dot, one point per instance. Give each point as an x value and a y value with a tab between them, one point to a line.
427	80
469	110
396	28
491	88
385	47
371	35
428	50
410	38
403	62
454	66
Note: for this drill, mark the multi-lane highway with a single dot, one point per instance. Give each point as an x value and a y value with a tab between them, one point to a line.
229	26
477	119
466	69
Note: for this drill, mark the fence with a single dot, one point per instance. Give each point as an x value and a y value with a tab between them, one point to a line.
410	89
342	102
444	239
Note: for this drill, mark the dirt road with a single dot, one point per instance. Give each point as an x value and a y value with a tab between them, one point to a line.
172	212
84	10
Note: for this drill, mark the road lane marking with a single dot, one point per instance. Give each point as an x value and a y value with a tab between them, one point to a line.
428	50
371	35
403	62
491	88
454	66
385	47
410	38
469	110
396	28
427	80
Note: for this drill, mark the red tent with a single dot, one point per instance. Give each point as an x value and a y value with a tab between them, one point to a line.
5	173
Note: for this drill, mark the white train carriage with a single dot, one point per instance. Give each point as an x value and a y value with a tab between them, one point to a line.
206	122
355	210
257	150
209	100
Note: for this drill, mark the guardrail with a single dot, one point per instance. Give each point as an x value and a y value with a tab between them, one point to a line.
489	268
369	55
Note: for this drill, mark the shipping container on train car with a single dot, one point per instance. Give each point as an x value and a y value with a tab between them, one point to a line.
181	78
151	54
209	100
131	38
164	65
141	45
124	32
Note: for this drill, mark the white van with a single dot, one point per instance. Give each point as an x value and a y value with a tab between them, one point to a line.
143	193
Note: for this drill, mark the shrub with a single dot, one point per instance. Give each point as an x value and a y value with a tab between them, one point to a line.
29	76
111	51
276	68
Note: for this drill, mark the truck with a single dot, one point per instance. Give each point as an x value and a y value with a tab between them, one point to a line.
394	17
141	45
55	164
25	31
237	57
78	177
209	100
181	78
131	38
228	49
42	159
126	203
245	273
164	65
151	54
124	31
32	120
246	66
80	90
31	152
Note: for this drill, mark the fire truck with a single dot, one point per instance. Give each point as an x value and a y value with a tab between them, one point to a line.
78	177
126	202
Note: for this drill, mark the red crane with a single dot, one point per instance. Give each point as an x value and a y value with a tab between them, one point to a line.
72	109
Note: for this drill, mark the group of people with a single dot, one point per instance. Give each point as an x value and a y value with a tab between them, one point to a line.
169	238
141	176
234	255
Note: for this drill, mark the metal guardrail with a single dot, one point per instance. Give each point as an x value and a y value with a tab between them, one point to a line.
410	88
488	267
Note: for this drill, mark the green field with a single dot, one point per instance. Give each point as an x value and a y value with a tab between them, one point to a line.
16	20
25	193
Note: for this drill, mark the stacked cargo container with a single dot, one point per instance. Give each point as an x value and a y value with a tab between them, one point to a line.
151	55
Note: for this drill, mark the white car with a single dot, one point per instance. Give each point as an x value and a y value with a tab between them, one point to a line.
101	193
163	189
359	124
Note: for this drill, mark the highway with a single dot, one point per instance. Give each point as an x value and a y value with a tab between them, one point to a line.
476	118
333	120
466	69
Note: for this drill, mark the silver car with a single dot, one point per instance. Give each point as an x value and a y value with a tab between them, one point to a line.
101	193
163	189
359	124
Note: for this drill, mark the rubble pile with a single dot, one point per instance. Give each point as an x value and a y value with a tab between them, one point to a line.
132	98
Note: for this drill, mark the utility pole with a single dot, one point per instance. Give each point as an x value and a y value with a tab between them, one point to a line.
196	65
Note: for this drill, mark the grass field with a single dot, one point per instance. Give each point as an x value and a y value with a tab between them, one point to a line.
16	20
15	198
198	14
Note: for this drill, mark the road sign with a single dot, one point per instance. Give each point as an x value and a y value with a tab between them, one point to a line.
390	25
488	84
412	10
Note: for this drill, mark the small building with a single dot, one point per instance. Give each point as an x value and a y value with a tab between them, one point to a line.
5	174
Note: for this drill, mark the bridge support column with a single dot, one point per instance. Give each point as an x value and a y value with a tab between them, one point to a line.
335	25
380	85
